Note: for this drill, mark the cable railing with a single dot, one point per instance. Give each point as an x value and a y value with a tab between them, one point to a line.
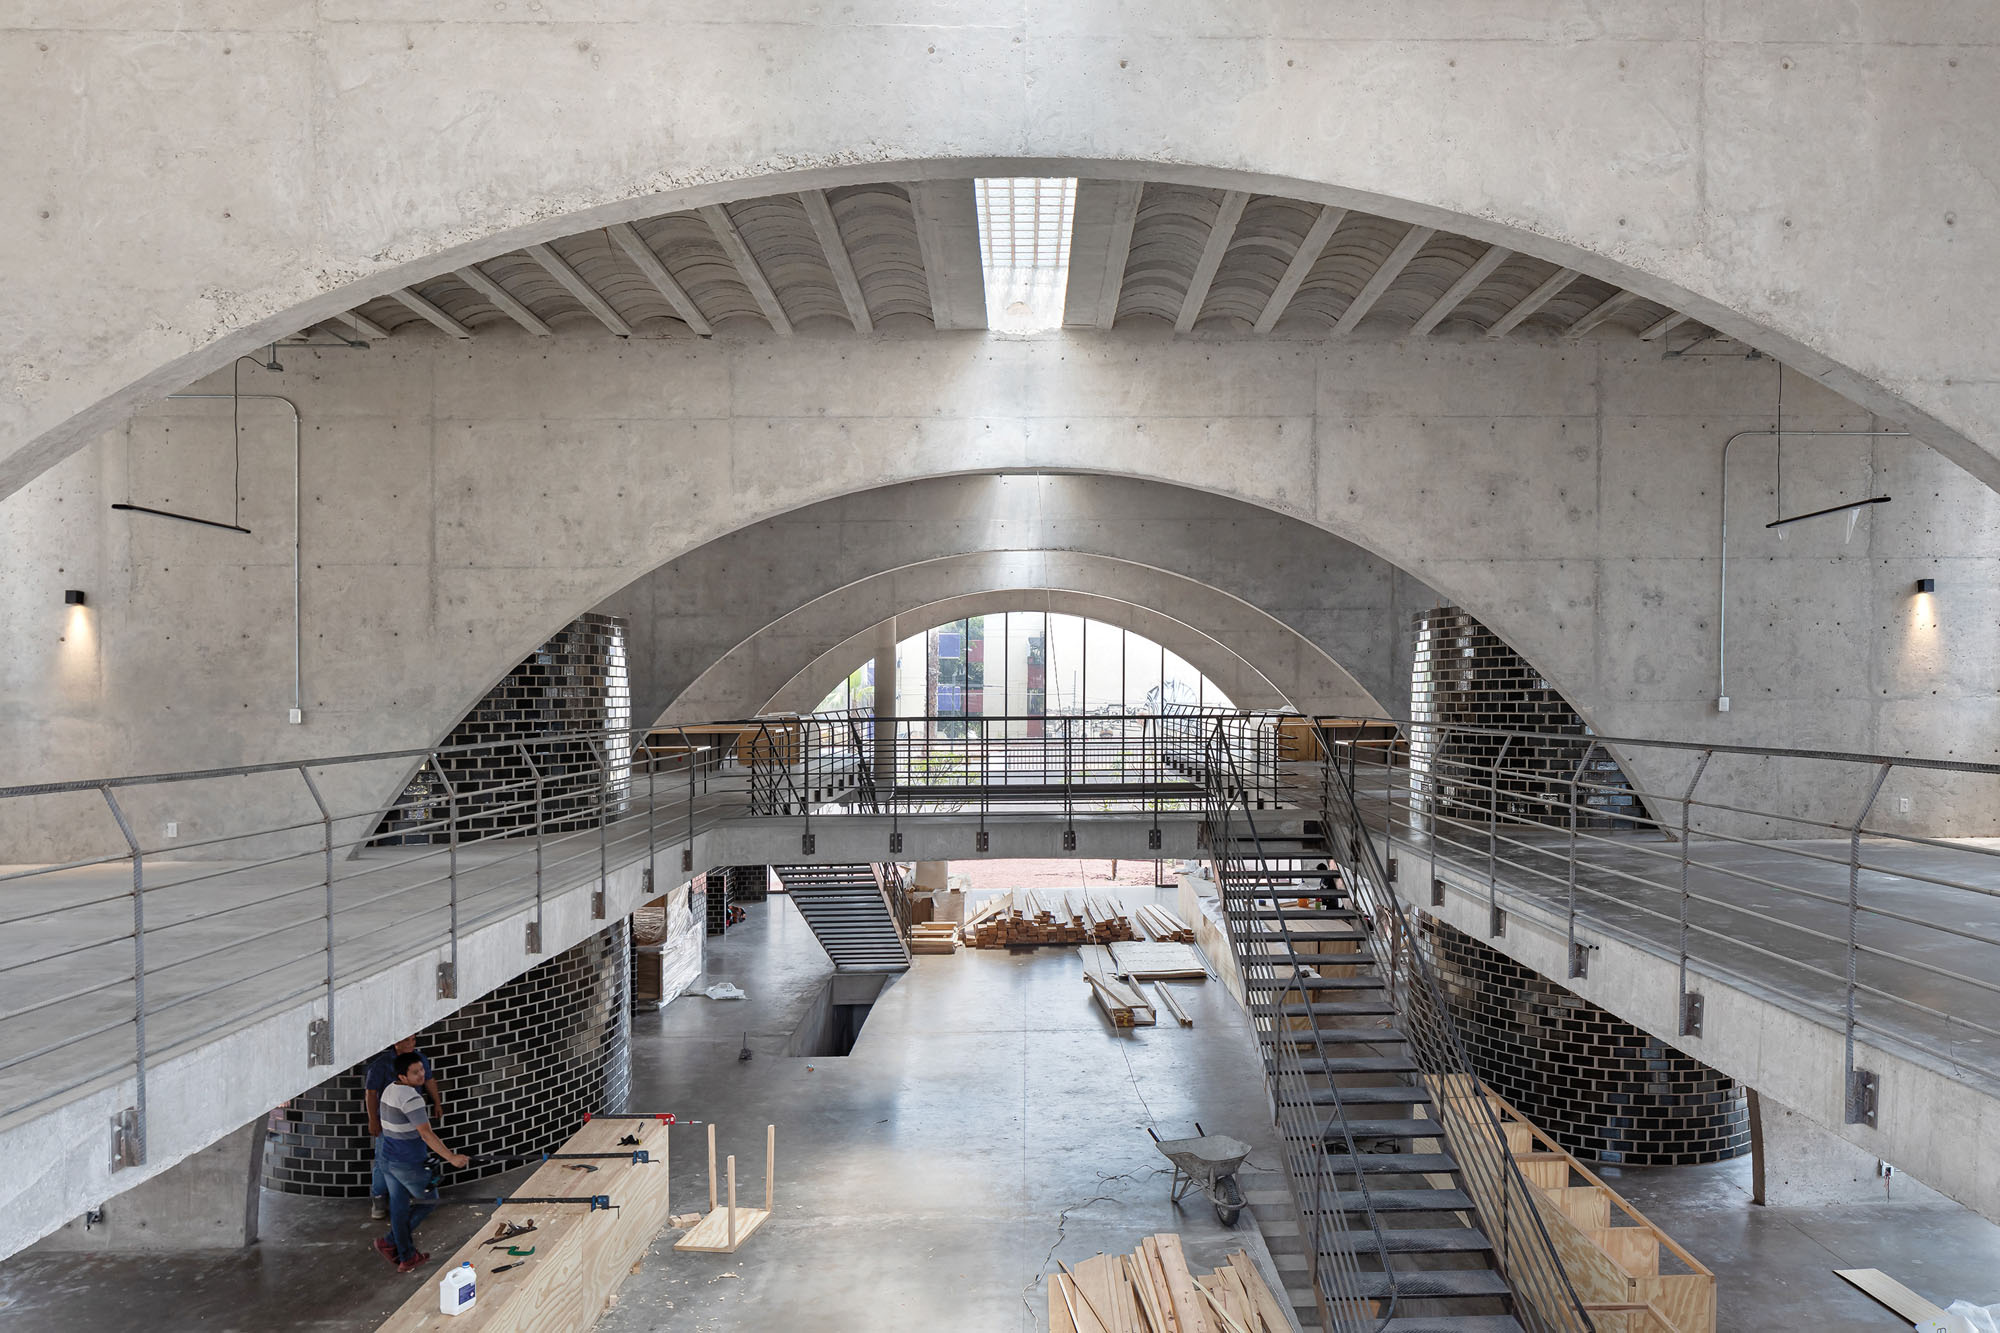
1542	1298
123	950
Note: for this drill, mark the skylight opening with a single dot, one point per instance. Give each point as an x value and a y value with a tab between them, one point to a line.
1024	225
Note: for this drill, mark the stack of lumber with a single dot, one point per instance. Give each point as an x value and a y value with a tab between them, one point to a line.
1163	925
1152	1290
1122	1002
934	937
580	1256
1030	917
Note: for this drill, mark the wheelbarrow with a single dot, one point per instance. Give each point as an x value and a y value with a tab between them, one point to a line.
1208	1161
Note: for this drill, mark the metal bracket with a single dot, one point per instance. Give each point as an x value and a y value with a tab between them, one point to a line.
981	842
319	1042
1579	958
1437	892
447	981
687	860
1152	840
534	940
1390	869
1069	839
1496	924
597	904
895	844
646	881
1863	1088
1691	1014
808	844
126	1150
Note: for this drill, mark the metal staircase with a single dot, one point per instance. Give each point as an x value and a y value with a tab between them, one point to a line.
1412	1217
856	912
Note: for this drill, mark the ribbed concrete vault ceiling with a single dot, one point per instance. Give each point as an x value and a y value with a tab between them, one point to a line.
891	256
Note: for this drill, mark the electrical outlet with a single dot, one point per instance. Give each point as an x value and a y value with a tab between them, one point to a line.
173	829
1902	805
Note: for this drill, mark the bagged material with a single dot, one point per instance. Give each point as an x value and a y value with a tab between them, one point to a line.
724	990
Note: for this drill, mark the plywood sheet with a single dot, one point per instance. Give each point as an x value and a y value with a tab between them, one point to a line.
711	1234
1152	960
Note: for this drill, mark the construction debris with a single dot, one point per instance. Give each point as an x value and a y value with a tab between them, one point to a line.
1029	917
1151	1290
1122	1002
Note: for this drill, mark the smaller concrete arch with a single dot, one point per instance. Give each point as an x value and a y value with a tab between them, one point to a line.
1214	626
1245	686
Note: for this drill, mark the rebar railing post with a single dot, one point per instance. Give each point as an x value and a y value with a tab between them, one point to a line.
1689	1005
1860	1084
447	981
319	1046
534	931
132	1152
1495	922
1577	965
601	751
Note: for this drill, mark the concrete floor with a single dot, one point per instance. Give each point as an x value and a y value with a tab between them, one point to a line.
986	1121
1774	1266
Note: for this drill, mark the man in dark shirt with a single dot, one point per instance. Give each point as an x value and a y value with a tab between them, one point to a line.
380	1074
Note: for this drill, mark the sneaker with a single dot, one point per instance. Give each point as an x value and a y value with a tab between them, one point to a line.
413	1264
385	1249
378	1207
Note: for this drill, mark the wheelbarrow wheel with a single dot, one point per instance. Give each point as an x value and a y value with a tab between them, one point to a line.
1228	1200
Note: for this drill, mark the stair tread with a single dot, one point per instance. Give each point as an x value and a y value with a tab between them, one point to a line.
1381	1129
1433	1283
1404	1201
1349	1064
1393	1163
1403	1095
1412	1240
1446	1323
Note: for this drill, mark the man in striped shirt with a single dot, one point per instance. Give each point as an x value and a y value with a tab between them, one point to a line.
407	1141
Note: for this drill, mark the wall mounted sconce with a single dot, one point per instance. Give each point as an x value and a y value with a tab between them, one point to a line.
73	597
1926	585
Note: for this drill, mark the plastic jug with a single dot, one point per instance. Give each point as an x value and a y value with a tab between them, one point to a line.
455	1289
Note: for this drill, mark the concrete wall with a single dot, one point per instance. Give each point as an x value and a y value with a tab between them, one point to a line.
1749	163
460	503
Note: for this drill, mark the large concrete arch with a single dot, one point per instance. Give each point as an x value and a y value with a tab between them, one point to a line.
1608	137
1245	686
458	504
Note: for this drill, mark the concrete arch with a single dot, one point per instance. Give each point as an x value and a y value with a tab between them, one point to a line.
1578	134
756	605
766	667
1241	682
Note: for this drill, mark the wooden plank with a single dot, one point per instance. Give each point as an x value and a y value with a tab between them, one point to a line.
581	1256
1136	1268
1261	1295
1891	1293
1189	1312
1156	1277
1173	1005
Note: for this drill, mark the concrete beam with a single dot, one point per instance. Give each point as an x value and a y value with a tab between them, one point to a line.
947	216
1100	243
